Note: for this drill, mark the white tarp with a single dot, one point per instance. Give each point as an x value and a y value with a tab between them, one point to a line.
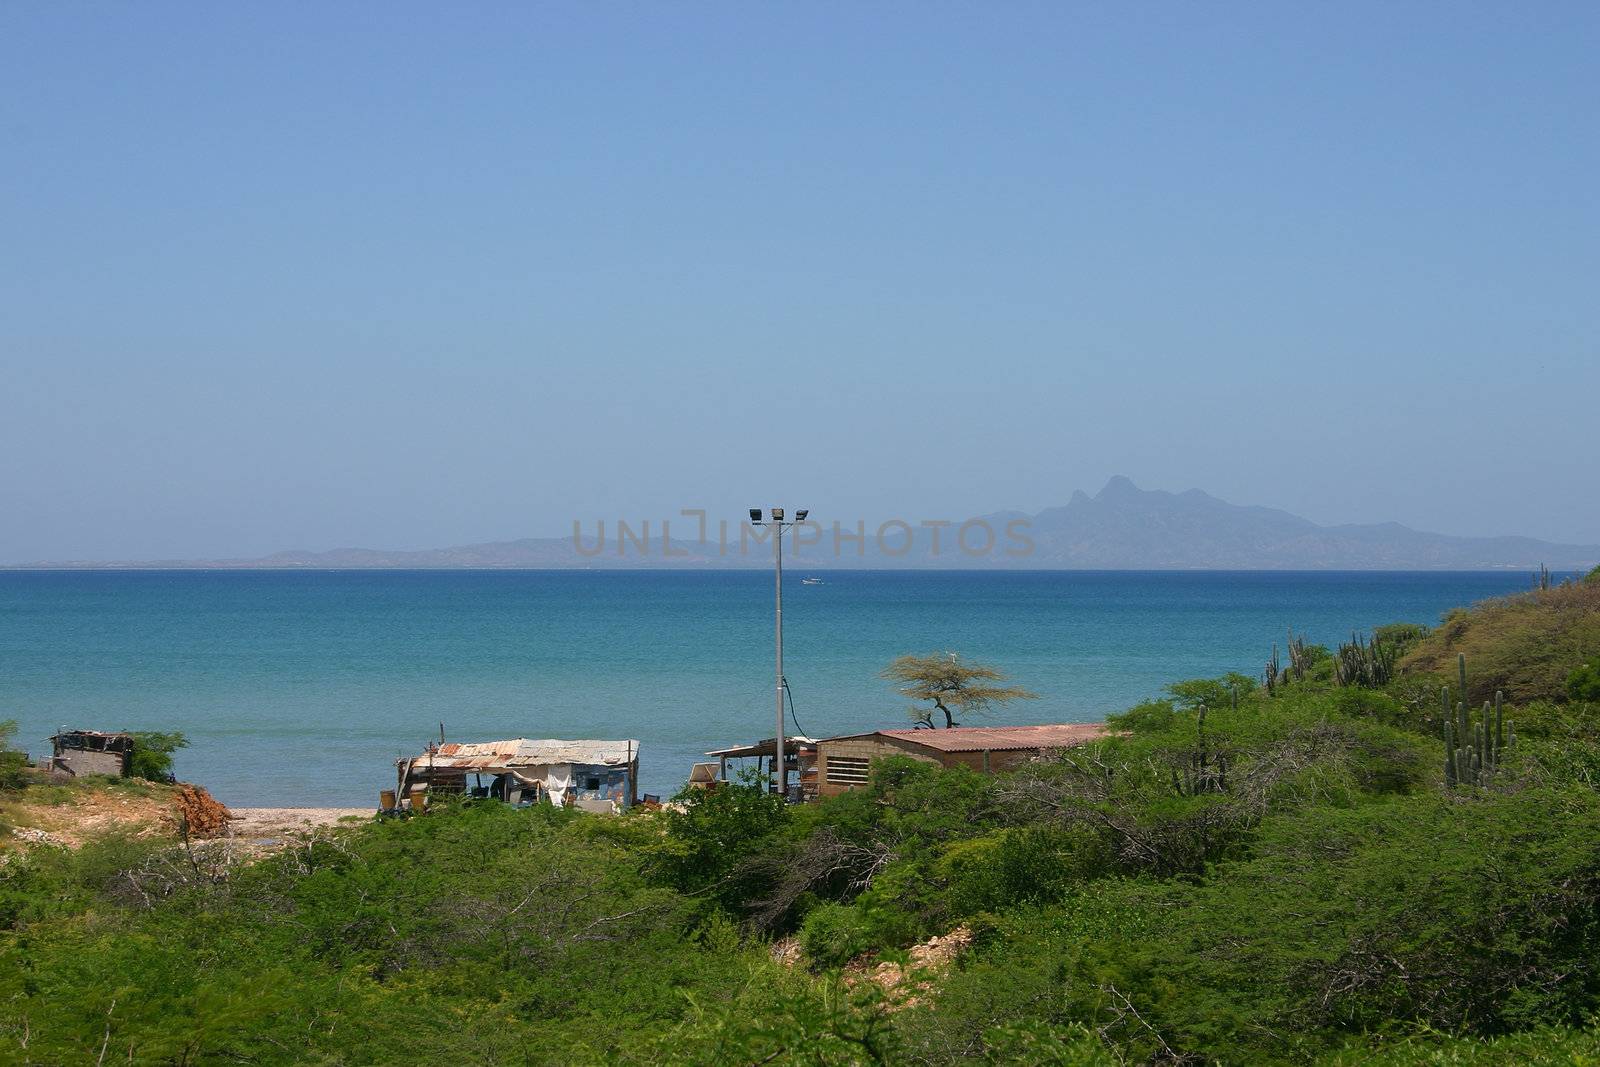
557	781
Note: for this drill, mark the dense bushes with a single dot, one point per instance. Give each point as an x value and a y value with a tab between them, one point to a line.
1584	682
12	761
152	754
1526	645
479	927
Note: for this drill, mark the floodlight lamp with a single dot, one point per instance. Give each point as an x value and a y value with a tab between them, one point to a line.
777	514
755	514
800	516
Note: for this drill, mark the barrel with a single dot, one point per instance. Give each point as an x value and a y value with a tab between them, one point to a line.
386	800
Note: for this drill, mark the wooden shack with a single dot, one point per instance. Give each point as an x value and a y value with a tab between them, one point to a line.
799	756
80	752
844	763
594	775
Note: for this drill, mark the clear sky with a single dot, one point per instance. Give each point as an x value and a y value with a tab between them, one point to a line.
409	275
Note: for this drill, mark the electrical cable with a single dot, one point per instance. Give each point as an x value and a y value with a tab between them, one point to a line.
792	716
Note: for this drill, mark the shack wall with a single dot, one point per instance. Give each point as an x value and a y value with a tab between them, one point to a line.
842	764
849	770
608	783
78	762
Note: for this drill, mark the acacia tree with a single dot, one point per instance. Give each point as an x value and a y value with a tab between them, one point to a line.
950	686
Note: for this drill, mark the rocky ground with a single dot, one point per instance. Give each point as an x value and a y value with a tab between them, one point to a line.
257	823
71	813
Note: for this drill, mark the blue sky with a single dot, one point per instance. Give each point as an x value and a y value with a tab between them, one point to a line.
405	275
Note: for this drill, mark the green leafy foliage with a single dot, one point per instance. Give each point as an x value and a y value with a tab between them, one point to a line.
1212	692
833	934
1584	682
709	838
1400	636
945	687
1526	646
1544	1046
12	762
152	754
484	924
1151	716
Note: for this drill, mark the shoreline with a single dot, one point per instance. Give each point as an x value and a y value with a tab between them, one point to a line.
282	821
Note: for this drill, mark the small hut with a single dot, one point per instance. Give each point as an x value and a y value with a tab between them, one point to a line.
799	756
593	775
80	752
845	762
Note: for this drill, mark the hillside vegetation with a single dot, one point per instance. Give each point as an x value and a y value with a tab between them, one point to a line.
1526	645
1241	875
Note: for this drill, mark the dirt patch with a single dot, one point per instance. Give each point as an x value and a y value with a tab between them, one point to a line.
904	986
288	822
201	813
788	952
72	815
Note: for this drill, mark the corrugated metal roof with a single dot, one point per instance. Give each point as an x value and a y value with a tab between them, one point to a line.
994	738
523	752
767	747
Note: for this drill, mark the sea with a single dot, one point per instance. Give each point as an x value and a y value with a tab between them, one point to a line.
301	688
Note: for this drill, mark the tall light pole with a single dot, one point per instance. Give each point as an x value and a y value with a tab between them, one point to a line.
778	524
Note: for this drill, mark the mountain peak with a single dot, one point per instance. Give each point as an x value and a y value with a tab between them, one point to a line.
1120	485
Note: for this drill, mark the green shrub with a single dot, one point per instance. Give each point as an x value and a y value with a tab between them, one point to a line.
1544	1046
12	762
1010	868
1400	635
1152	716
1525	645
1038	1044
1371	704
834	934
1216	692
709	843
152	754
1584	683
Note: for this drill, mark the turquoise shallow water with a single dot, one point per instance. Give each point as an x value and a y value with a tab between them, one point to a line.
301	688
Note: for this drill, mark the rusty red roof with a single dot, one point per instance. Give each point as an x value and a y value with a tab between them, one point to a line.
523	752
994	738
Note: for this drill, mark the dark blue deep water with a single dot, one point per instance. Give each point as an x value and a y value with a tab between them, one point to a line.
300	688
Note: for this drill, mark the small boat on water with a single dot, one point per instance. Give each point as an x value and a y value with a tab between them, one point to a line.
811	581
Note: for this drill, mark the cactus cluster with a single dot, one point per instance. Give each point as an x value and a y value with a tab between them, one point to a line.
1299	658
1207	770
1472	751
1370	665
1300	661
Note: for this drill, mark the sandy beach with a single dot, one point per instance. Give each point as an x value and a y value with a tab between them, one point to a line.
278	822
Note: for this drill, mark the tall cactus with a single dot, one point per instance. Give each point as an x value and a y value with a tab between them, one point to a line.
1299	659
1367	664
1452	773
1472	750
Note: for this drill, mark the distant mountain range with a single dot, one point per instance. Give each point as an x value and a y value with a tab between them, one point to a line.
1122	527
